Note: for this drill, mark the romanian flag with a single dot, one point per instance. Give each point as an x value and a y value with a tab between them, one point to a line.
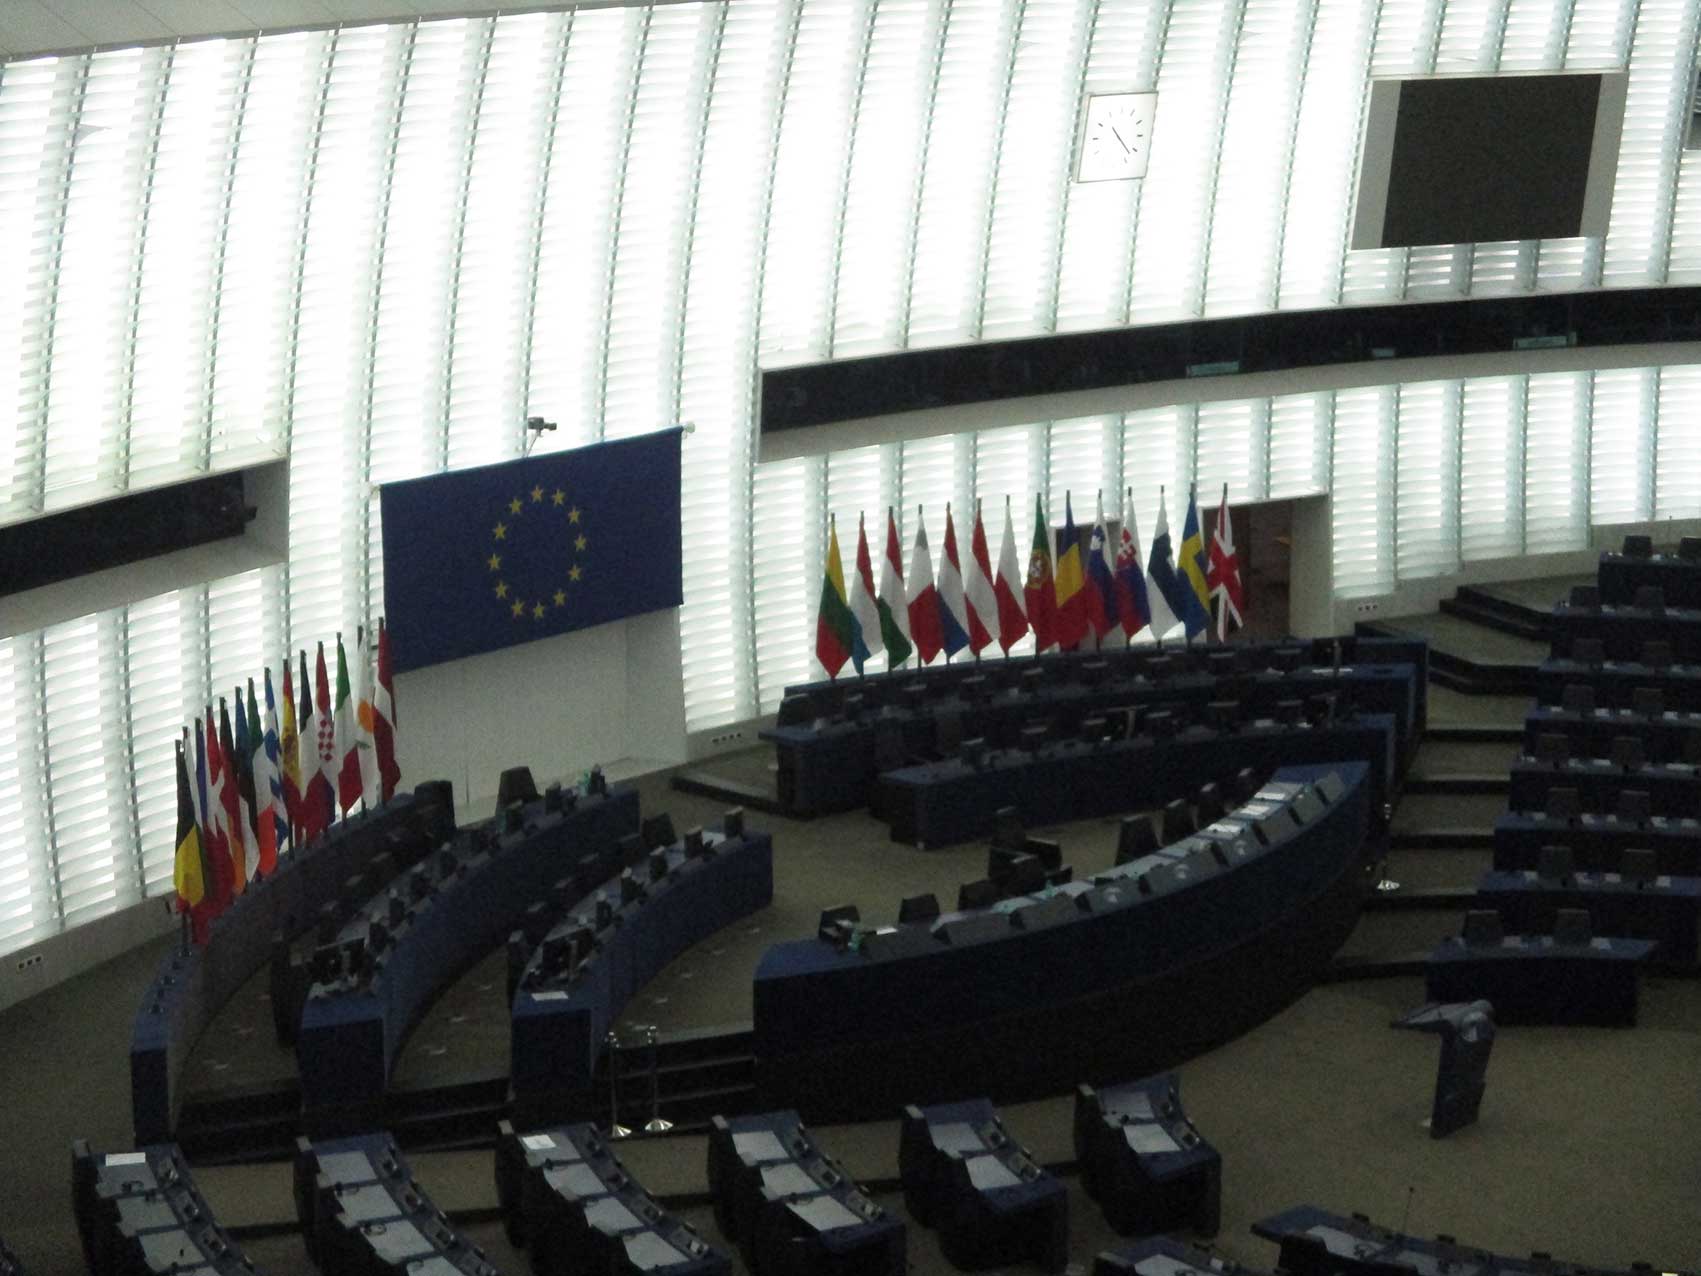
1197	616
189	869
835	627
1041	600
384	719
1071	586
289	758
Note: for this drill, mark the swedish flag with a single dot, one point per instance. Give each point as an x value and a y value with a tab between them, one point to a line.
1196	615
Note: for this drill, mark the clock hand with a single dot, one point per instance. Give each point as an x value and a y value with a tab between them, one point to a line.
1118	137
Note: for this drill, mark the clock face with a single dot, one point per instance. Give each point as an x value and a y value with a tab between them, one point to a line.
1116	136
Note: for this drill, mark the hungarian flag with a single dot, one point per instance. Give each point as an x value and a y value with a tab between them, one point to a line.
1038	593
953	615
1071	623
1101	591
1012	615
979	593
318	734
365	725
862	605
384	719
224	781
345	741
925	630
1197	617
188	869
289	757
835	627
1224	575
894	608
268	780
1132	608
210	807
1164	590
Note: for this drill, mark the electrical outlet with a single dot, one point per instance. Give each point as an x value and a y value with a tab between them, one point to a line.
29	963
724	738
1368	609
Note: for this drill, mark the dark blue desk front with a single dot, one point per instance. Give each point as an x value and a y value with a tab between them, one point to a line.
1665	737
350	1036
1678	578
557	1032
1665	910
1674	788
1530	979
1616	682
1621	630
1129	983
1597	842
947	802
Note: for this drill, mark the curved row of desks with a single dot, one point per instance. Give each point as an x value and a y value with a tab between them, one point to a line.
943	803
193	984
1122	974
597	959
830	748
456	910
140	1212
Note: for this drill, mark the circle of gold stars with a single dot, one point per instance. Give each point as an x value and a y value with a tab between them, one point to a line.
507	523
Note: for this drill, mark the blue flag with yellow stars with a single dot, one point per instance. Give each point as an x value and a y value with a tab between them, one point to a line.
476	560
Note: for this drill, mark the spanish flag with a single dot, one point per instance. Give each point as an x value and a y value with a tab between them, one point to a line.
1071	585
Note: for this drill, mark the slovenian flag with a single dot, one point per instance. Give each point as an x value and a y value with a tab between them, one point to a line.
1101	591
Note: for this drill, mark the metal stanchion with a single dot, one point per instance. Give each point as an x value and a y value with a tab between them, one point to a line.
657	1124
615	1129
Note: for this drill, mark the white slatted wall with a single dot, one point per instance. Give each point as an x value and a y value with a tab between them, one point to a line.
379	248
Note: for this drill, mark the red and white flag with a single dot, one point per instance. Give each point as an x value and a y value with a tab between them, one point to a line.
926	632
1007	588
1222	576
979	593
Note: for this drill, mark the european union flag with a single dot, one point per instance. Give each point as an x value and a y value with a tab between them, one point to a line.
481	559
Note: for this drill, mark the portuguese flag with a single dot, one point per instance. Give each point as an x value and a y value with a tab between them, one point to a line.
1040	597
835	627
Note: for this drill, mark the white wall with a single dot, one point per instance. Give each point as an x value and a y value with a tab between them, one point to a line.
610	695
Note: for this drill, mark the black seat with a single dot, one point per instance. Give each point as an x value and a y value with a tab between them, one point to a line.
1635	805
1482	928
1650	702
1638	546
1290	712
1562	803
1577	697
1555	864
1209	804
1586	597
1247	782
1223	714
1640	864
1572	927
835	922
1650	598
1135	838
1627	752
948	733
919	908
1007	829
1587	651
1657	654
1552	748
1689	549
1178	821
975	895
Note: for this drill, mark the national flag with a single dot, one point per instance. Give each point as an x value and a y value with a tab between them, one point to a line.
226	783
894	607
1012	615
269	788
835	627
265	781
953	613
188	869
1100	591
926	631
308	746
344	737
1197	617
210	808
1132	607
1038	592
384	719
241	763
319	735
980	595
1166	591
1071	597
1224	574
862	605
365	728
289	757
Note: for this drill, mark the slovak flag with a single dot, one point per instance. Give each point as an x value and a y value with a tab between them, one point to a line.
1132	608
953	614
1223	576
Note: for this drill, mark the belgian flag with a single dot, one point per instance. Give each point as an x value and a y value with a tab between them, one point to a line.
189	871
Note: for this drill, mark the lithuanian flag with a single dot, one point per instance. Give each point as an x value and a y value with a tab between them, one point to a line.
835	627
